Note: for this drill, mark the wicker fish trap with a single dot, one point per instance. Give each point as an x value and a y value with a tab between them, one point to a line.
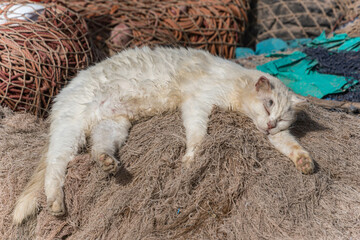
215	25
40	51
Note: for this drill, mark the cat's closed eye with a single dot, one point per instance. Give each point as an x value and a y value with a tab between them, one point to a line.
268	103
284	120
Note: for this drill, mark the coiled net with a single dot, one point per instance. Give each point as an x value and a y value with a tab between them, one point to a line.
39	54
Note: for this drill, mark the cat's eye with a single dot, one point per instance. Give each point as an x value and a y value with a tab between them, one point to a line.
270	103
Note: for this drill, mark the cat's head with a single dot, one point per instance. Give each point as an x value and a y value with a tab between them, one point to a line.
273	108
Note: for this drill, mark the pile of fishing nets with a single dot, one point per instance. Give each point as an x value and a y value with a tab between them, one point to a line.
292	19
42	46
215	25
239	187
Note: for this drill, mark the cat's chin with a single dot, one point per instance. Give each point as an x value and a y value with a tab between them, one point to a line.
273	131
269	132
266	132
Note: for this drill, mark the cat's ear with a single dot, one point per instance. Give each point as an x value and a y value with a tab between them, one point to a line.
263	85
297	100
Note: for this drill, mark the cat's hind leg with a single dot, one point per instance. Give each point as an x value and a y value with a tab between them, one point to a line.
195	115
107	136
66	135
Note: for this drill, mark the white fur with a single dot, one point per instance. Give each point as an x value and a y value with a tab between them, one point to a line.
103	100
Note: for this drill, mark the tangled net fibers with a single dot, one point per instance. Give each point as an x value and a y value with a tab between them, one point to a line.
238	188
215	25
38	57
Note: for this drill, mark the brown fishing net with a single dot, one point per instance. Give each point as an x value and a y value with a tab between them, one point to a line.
215	25
351	8
39	54
290	19
239	187
350	23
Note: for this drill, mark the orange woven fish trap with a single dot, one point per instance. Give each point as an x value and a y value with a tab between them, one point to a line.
39	54
215	25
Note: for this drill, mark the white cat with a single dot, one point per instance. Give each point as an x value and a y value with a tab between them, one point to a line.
102	101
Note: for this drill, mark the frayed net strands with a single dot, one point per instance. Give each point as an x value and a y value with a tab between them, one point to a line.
215	25
39	53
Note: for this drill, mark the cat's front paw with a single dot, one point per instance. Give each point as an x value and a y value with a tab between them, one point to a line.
56	206
304	163
108	163
187	160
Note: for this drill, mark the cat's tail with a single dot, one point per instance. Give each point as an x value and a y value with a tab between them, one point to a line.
27	204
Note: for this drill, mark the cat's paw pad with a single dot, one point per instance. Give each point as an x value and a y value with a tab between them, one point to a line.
108	163
304	163
56	207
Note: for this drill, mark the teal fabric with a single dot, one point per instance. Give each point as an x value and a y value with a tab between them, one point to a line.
339	42
295	70
299	42
242	52
271	45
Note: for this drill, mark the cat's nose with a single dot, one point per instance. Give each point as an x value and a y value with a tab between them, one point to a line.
271	125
